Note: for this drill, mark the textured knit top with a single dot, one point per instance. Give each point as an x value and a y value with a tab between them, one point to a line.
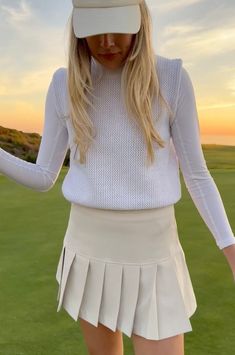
115	175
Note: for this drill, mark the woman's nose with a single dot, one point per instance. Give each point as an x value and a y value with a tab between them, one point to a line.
106	40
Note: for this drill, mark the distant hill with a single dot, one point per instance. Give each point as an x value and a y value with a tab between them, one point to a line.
22	144
25	146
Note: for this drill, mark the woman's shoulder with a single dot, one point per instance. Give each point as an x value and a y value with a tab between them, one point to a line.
169	71
172	73
166	65
59	74
59	79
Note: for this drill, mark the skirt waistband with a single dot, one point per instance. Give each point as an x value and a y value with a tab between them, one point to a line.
125	236
149	211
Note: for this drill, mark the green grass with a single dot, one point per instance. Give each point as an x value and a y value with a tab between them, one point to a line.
32	228
219	156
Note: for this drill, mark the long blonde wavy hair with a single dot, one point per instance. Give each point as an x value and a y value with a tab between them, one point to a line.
139	82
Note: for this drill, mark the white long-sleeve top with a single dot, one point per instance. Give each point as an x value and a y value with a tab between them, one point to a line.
115	175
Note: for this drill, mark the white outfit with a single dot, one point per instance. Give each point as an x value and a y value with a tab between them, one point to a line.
115	175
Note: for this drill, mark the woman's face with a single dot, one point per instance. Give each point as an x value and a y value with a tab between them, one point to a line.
108	43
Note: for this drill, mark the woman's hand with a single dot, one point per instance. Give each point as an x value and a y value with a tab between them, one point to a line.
229	252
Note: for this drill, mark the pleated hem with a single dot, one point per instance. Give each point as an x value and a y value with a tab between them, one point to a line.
154	300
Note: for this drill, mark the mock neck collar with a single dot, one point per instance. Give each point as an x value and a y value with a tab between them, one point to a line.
98	69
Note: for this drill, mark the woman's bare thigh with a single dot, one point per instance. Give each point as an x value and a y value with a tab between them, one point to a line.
169	346
101	340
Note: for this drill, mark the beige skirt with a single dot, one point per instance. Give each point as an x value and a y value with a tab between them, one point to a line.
127	270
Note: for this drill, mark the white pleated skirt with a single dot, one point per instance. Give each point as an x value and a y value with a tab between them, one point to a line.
127	270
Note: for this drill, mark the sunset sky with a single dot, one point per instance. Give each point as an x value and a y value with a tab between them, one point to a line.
33	45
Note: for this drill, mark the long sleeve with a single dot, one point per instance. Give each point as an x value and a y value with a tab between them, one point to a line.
43	174
185	132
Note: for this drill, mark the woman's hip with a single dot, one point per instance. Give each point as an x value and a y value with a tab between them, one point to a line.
125	236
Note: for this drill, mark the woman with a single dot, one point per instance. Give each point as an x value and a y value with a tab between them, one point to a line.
129	117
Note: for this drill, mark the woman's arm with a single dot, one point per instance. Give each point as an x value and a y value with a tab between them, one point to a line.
185	133
43	174
229	253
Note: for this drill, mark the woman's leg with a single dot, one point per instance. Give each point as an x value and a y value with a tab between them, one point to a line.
168	346
101	340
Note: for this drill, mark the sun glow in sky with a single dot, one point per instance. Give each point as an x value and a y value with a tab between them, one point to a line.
33	45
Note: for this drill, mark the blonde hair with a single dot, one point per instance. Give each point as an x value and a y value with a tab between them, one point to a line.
139	82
